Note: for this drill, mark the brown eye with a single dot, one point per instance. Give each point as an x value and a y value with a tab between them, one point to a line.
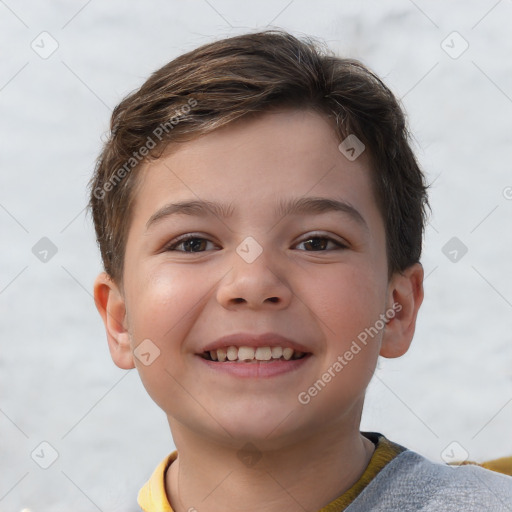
190	244
316	244
194	245
320	243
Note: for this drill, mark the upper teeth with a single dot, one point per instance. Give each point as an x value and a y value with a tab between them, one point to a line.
250	353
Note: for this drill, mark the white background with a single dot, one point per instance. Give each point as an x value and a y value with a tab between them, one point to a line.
57	381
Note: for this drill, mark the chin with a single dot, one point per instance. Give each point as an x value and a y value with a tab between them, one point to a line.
267	426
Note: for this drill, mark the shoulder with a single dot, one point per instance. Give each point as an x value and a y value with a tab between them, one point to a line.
412	482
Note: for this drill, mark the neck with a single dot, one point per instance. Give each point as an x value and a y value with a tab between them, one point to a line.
306	475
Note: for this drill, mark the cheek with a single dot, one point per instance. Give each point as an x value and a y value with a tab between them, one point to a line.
163	300
349	306
161	308
348	302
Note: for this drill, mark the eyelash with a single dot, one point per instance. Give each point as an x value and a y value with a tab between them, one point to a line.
185	238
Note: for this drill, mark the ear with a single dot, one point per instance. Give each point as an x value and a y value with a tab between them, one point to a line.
112	309
405	295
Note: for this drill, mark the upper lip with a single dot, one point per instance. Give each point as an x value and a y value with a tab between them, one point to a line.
242	339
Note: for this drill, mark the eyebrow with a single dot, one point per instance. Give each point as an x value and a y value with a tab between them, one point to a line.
300	206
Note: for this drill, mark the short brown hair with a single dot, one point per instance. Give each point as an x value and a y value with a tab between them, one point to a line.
251	74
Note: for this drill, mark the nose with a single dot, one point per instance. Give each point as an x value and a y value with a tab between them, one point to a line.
254	285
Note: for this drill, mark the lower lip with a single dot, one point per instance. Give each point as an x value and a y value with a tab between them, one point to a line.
258	369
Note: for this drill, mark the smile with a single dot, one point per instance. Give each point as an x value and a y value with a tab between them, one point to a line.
245	354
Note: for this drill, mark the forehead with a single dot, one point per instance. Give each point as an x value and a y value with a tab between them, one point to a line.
257	164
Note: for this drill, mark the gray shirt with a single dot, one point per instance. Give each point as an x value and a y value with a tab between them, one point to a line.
411	483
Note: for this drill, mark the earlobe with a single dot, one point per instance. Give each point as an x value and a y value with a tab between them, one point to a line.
111	306
405	295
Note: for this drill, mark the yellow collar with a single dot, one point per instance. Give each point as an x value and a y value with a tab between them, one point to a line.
153	497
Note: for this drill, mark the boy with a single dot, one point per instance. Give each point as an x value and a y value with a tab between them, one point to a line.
260	217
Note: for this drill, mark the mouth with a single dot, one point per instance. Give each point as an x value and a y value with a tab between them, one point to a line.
244	354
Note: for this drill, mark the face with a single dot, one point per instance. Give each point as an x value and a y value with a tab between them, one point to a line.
283	248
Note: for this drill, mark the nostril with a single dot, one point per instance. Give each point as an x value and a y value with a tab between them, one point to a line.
240	300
